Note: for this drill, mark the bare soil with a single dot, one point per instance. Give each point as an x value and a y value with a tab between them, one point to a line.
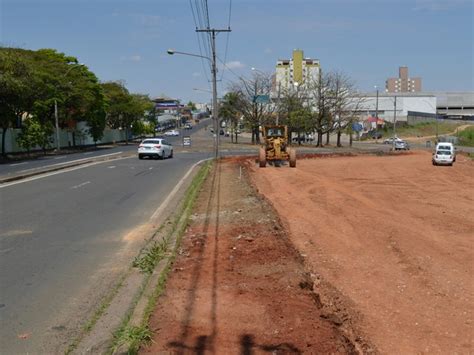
367	254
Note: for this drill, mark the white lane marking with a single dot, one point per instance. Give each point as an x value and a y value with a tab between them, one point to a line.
88	153
80	185
62	157
175	190
55	173
150	168
15	164
68	162
112	166
15	233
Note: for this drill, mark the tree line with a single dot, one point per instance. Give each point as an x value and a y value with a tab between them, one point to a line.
325	105
34	84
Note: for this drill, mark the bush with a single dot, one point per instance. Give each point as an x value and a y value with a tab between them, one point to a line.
34	134
466	137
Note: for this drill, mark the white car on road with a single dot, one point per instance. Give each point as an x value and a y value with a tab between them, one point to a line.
444	154
155	148
173	132
391	139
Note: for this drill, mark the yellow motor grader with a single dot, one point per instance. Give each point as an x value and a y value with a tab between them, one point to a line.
275	147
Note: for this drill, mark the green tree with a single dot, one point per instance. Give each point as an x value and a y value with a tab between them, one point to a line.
191	105
33	81
16	89
230	110
123	108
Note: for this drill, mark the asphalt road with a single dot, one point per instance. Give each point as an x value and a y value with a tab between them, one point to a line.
66	238
56	160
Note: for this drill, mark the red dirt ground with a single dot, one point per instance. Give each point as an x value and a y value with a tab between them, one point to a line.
394	235
365	254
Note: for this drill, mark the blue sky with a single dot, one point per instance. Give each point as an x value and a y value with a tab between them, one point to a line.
366	39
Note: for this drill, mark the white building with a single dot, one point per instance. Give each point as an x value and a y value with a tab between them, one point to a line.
291	74
387	106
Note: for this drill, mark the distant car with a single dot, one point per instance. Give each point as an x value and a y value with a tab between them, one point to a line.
188	126
375	134
444	154
401	145
391	139
155	148
221	132
173	132
301	139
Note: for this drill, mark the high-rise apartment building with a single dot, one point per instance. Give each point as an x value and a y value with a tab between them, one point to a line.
403	83
296	72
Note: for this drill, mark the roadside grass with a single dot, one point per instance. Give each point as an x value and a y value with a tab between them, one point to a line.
157	251
132	336
466	137
425	129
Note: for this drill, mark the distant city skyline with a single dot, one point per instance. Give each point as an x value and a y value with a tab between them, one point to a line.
367	40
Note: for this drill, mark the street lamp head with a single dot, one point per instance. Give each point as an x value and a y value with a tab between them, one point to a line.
170	51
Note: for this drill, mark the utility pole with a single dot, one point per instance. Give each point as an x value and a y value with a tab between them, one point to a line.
278	104
215	114
376	114
394	121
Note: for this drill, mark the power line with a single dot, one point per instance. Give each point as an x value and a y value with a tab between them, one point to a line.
199	43
227	37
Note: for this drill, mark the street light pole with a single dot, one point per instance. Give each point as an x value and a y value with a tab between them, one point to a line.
56	119
215	112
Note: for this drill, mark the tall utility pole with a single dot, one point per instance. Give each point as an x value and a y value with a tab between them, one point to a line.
215	114
394	121
278	109
376	114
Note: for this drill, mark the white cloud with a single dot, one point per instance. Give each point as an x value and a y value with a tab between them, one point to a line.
150	20
234	65
438	5
196	74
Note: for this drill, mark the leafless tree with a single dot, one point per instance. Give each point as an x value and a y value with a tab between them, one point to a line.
344	103
255	109
334	103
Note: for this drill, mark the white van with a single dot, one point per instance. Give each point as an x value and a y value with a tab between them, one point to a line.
444	154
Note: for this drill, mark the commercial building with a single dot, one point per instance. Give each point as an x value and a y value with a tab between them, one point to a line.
403	83
399	107
295	73
455	105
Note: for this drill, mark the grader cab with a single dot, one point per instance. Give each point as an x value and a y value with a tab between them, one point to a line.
275	147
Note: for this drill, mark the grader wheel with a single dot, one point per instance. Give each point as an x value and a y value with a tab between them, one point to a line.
262	158
292	154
